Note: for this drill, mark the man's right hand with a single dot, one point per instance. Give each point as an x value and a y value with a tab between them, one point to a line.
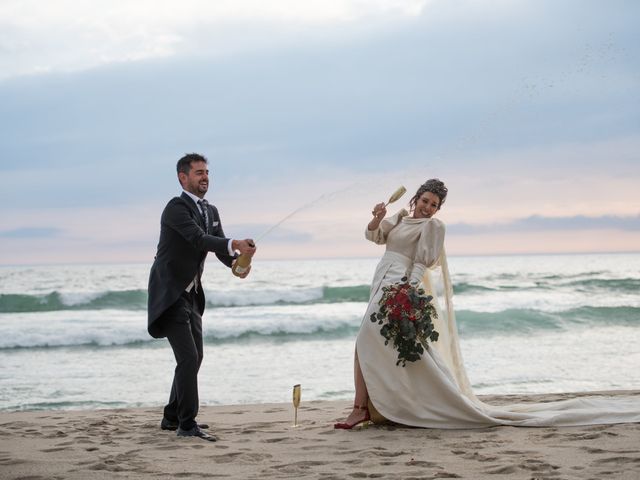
245	247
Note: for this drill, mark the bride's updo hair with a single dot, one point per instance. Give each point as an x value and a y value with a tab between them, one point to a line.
434	186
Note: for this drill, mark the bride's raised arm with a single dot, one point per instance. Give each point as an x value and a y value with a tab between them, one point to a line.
379	234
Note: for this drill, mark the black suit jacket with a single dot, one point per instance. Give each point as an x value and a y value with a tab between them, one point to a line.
182	249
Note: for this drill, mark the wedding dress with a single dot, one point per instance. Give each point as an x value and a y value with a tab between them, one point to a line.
434	392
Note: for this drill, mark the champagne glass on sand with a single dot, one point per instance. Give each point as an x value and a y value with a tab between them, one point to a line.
296	403
396	195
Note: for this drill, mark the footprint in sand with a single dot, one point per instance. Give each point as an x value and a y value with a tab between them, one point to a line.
479	457
618	460
276	410
277	440
83	440
519	453
539	466
479	445
298	467
6	459
501	470
385	454
313	447
225	458
55	449
422	463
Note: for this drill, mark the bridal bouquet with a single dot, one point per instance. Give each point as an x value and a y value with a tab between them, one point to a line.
405	315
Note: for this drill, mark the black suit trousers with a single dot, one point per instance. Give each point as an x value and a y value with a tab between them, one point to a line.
182	325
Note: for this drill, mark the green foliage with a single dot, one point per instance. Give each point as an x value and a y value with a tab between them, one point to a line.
405	315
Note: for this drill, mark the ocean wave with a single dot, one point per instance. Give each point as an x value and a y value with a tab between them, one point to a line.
622	285
66	405
289	296
565	276
280	324
137	299
523	321
466	287
279	335
55	301
139	338
551	282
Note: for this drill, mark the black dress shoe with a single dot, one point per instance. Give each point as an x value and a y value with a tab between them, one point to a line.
197	432
173	426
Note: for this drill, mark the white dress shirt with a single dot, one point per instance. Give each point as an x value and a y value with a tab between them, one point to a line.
195	198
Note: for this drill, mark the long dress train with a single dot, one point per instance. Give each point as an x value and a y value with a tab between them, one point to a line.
434	392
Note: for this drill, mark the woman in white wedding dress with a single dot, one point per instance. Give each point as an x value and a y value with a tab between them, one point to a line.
434	391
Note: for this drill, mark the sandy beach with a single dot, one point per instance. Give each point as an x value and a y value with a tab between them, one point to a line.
259	441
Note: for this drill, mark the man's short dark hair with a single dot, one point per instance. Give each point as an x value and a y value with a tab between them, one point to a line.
184	164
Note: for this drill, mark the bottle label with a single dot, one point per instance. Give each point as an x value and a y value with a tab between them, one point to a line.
240	270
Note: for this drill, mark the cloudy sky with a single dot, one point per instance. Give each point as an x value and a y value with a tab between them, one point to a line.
528	110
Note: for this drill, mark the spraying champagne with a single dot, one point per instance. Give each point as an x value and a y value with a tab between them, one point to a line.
243	261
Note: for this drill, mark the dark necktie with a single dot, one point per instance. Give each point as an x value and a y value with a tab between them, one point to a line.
204	208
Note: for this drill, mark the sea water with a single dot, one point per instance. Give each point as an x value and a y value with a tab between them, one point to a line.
74	336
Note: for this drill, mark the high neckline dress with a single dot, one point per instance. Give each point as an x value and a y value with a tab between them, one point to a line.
434	392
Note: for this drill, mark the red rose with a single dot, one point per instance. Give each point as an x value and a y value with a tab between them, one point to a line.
402	299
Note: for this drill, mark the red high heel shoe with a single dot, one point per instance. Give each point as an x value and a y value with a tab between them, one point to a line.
349	426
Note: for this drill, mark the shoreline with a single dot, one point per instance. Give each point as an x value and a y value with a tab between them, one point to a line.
259	441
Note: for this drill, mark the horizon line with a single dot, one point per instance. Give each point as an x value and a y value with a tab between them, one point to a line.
280	259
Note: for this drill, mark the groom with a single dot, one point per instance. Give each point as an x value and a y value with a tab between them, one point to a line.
189	229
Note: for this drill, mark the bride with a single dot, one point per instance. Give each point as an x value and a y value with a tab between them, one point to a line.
434	392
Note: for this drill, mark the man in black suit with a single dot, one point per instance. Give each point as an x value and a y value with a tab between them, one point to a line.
189	229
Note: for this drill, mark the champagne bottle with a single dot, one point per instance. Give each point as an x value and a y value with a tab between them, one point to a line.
396	195
242	264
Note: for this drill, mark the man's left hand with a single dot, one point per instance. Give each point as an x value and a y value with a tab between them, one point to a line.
241	275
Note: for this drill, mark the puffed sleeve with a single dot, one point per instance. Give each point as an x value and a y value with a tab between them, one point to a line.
379	235
429	248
